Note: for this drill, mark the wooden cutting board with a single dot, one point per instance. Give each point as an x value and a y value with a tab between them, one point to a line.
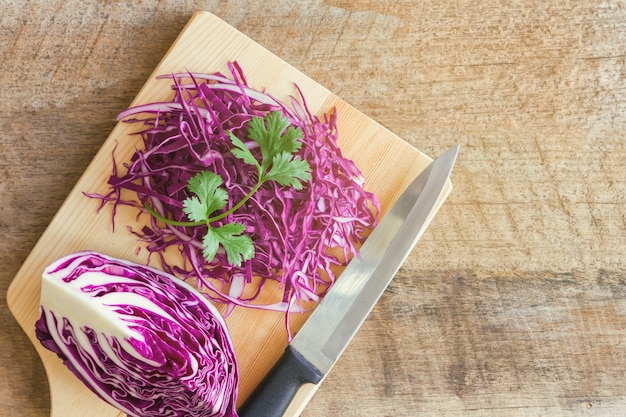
206	44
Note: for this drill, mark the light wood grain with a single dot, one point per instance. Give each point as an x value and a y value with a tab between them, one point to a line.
206	44
513	302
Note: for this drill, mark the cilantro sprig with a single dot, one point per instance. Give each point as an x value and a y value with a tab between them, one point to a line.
278	142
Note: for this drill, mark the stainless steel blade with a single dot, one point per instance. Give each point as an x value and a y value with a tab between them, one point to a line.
329	329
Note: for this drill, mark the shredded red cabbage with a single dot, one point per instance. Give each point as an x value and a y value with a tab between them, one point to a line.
294	232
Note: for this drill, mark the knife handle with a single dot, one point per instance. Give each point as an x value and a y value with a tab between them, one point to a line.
272	396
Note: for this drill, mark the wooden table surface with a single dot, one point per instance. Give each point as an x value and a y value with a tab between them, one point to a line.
514	301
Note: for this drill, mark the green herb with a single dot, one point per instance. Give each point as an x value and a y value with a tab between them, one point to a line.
278	141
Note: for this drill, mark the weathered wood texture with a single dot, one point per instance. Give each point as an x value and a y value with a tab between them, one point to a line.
513	304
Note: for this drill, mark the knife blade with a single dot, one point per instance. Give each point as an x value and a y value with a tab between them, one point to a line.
324	336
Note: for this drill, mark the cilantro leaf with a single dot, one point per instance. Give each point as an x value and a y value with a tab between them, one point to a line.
210	244
209	197
268	133
195	209
242	152
288	171
238	247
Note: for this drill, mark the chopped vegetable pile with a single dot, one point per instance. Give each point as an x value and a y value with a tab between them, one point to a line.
300	226
142	340
278	164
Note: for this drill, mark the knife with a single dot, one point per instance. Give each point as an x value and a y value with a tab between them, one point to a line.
327	332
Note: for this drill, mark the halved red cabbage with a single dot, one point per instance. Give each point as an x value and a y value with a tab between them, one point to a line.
292	230
142	340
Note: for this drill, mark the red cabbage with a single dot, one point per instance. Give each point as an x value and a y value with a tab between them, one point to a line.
142	340
294	232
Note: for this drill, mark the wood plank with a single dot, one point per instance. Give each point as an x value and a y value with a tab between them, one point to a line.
465	343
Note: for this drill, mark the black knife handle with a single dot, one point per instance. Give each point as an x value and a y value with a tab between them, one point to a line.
272	396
